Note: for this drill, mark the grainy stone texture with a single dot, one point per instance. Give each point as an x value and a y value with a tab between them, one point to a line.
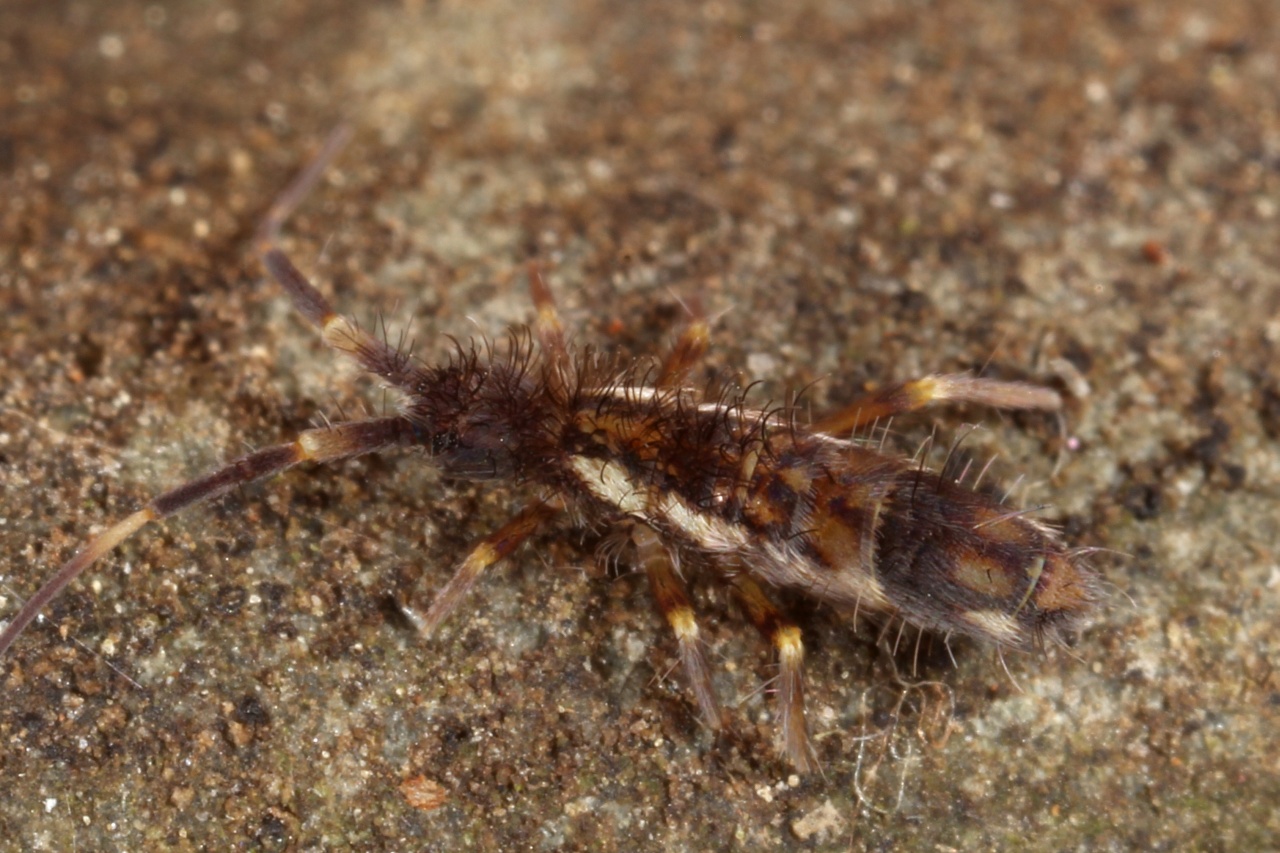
1082	194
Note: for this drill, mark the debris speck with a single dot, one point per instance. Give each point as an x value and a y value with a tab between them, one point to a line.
822	824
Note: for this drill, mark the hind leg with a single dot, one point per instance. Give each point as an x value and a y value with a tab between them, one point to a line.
905	397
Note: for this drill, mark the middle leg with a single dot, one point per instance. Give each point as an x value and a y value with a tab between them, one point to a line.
673	601
784	636
548	328
688	351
